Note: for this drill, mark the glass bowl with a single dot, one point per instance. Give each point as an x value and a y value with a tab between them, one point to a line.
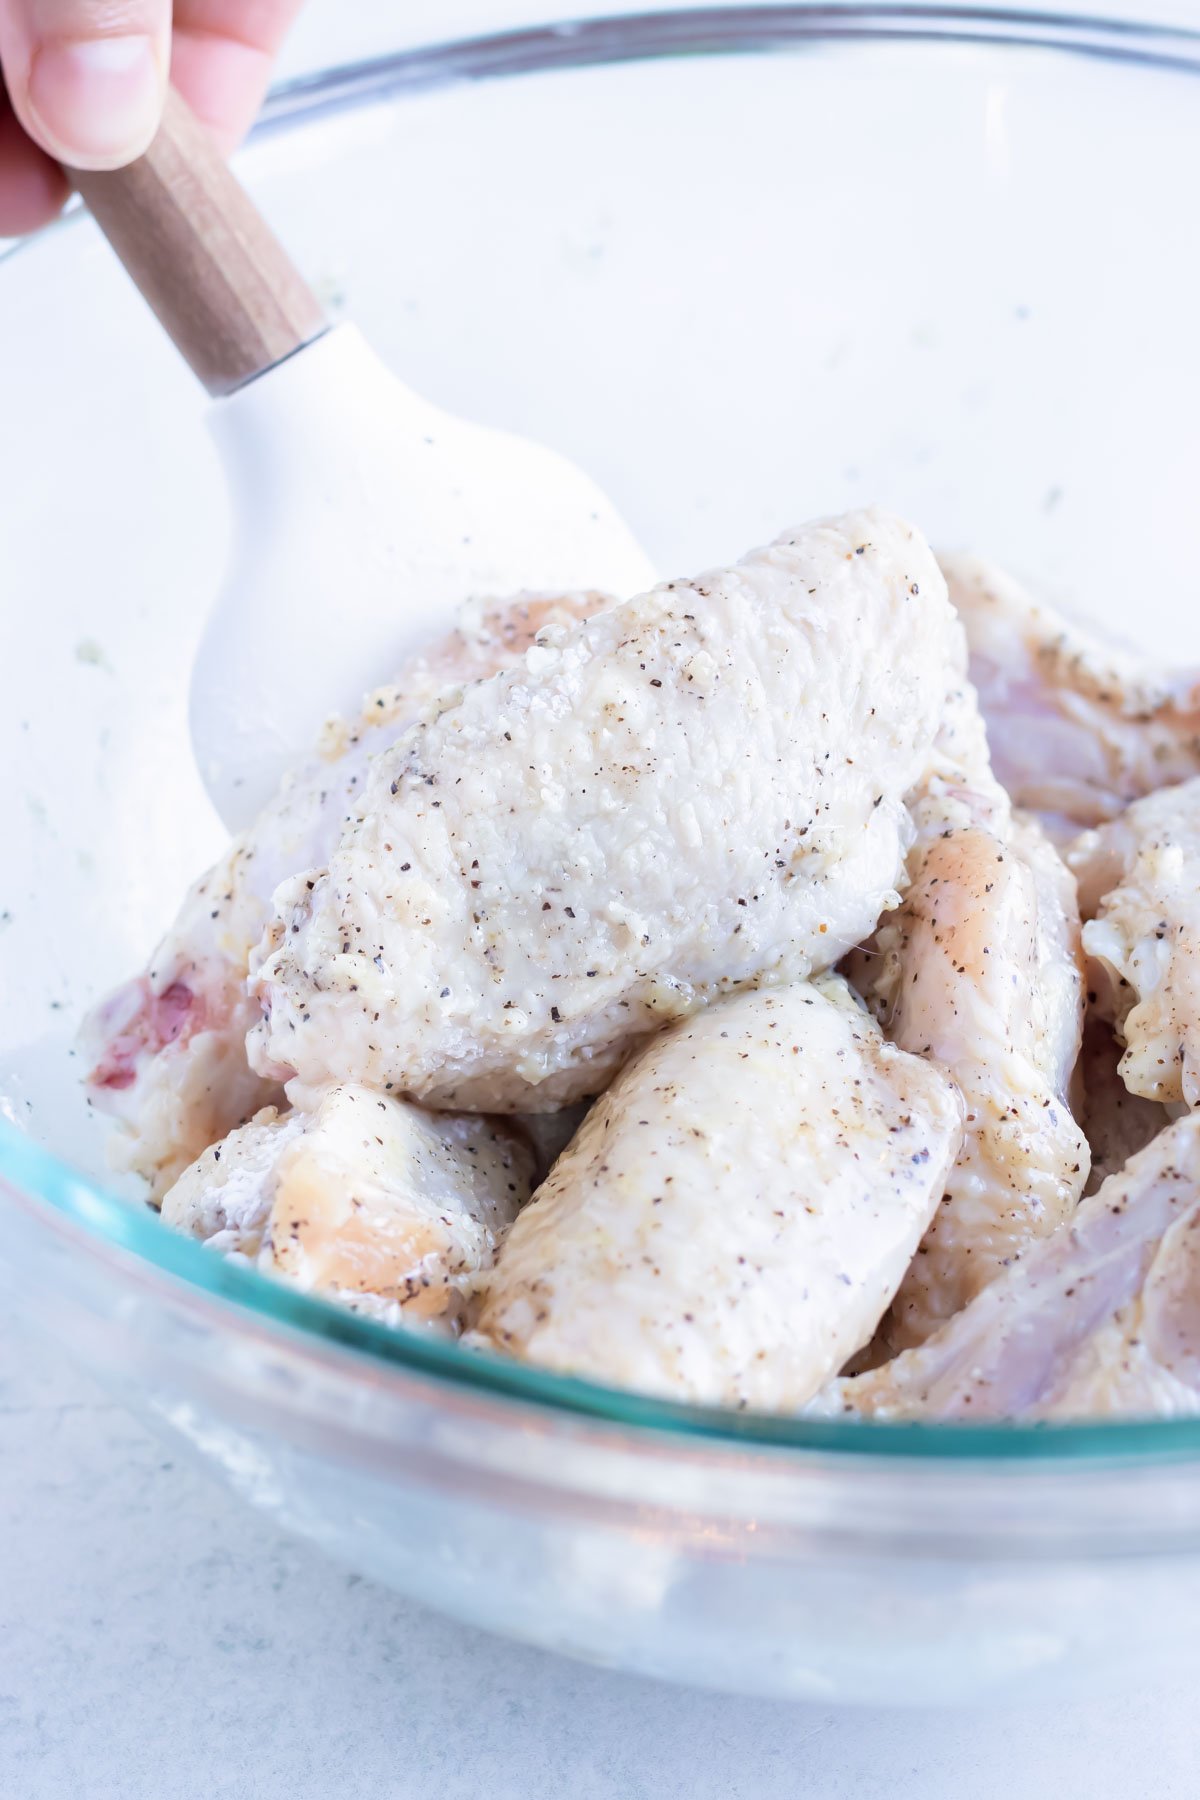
747	265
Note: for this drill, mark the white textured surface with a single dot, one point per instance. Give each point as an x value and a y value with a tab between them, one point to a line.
156	1639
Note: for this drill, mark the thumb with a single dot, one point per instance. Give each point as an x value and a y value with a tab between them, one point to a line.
86	78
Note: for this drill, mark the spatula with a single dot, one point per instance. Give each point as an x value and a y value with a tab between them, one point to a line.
363	516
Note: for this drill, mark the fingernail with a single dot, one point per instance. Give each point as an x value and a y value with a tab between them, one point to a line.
96	100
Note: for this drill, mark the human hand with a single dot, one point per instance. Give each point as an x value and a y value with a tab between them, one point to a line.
83	84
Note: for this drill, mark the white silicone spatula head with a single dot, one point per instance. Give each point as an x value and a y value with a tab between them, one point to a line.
363	516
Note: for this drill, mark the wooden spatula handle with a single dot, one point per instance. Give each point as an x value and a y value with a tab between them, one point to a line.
202	255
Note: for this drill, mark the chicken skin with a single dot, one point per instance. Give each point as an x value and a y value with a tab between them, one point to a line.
1102	1318
697	791
737	1210
168	1049
366	1198
1078	727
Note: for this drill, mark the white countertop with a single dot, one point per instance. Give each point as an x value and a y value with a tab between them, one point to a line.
158	1639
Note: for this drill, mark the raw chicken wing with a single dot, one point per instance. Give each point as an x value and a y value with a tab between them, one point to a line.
168	1050
980	970
1141	878
1102	1318
366	1197
697	791
737	1210
1078	727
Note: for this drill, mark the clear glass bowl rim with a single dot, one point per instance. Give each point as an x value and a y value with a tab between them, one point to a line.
106	1226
